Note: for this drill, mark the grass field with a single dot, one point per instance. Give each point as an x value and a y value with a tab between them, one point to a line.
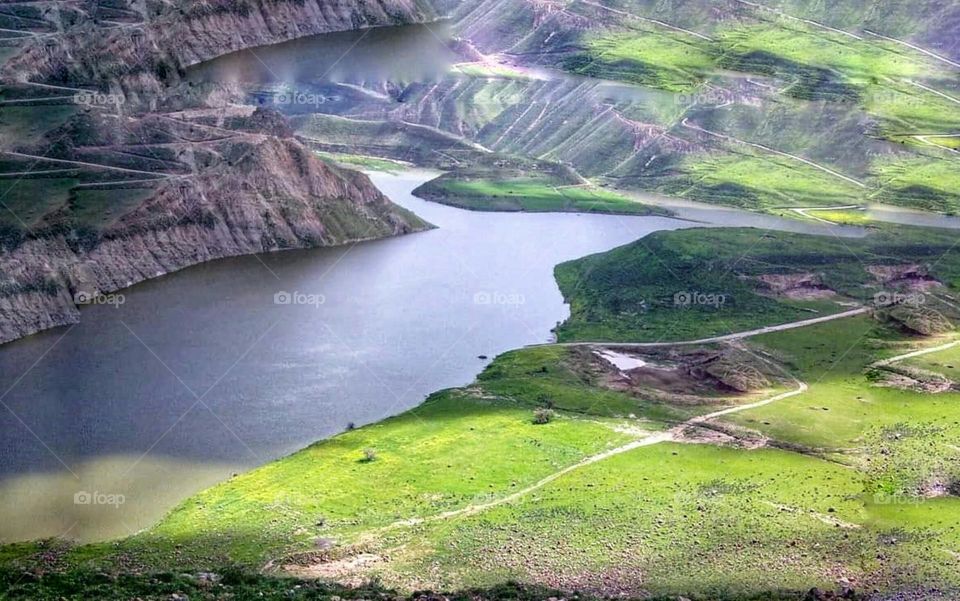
25	125
860	61
633	519
516	190
696	283
905	107
7	52
28	200
98	209
763	183
648	57
843	216
367	163
850	486
927	184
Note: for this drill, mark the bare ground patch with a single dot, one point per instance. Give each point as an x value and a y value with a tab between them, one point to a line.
911	277
796	286
350	570
677	375
912	378
720	433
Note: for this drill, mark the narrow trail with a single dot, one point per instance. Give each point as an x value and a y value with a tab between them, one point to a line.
653	439
926	140
724	338
802	20
933	91
913	47
774	151
913	354
624	13
803	212
53	87
36	99
84	164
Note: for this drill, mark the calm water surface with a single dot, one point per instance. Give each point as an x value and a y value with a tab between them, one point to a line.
200	373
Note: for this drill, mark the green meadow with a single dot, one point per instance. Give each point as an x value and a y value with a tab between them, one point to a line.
549	472
511	190
761	182
649	57
705	282
925	184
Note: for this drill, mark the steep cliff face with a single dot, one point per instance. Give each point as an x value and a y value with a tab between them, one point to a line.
274	196
143	56
138	190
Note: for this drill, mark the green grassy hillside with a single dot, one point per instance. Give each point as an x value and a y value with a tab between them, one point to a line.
696	283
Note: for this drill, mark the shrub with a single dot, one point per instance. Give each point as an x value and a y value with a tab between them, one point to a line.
543	415
369	455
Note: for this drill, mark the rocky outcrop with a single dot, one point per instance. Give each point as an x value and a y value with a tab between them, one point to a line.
142	58
156	191
275	195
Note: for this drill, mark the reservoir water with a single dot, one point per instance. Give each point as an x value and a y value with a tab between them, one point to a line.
230	364
106	425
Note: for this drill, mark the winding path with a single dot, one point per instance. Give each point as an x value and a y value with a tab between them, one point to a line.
803	212
38	159
807	21
723	338
653	439
913	354
646	441
774	151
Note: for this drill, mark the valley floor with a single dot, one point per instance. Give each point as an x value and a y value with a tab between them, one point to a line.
558	469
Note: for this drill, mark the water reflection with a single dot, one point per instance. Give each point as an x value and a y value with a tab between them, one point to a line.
398	54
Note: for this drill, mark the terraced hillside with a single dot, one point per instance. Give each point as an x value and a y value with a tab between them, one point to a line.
732	103
106	181
728	414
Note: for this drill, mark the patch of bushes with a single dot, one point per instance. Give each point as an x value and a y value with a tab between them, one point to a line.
543	415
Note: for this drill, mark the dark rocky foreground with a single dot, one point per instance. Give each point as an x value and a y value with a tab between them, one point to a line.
234	584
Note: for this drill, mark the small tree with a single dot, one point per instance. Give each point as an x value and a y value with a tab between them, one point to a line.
369	455
542	415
